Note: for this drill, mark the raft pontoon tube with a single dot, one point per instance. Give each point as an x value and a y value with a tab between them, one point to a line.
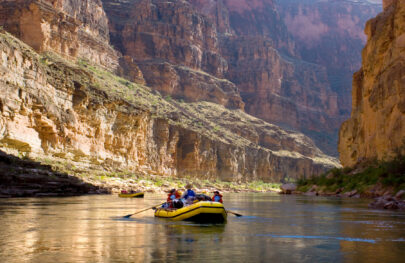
140	194
203	211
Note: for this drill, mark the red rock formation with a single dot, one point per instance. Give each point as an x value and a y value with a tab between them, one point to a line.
175	46
73	28
51	108
376	128
225	39
330	33
288	92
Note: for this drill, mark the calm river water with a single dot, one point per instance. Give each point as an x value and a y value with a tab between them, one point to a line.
274	228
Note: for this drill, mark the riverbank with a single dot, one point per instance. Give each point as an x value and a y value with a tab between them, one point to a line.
116	180
23	177
383	181
27	178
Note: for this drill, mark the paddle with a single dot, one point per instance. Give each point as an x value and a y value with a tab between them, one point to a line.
128	216
238	215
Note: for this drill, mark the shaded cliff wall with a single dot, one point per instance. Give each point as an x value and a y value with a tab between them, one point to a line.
330	33
73	28
185	48
50	107
376	128
276	84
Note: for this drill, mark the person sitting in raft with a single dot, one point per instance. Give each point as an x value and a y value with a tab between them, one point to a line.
217	197
189	195
172	200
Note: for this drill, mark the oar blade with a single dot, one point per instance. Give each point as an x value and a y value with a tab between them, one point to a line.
127	216
236	214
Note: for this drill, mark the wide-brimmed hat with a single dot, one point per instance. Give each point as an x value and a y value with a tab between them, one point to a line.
172	190
189	186
216	192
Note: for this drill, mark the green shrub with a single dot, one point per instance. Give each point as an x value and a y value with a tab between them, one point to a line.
389	174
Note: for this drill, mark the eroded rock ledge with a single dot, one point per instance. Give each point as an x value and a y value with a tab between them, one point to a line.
51	107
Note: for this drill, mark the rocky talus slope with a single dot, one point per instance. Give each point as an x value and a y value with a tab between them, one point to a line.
54	108
376	128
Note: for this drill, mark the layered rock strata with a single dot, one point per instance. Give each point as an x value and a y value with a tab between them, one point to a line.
275	83
50	107
330	33
176	48
376	127
186	48
73	28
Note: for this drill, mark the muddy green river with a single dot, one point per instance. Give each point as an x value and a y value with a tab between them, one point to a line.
274	228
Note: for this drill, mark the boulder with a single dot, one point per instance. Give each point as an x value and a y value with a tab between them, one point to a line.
400	194
288	188
387	202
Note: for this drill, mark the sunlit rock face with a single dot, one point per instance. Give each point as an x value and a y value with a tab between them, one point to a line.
73	28
376	128
54	109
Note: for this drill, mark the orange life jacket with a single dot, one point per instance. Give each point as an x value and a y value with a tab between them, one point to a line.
220	198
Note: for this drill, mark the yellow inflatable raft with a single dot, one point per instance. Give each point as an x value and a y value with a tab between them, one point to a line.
140	194
204	212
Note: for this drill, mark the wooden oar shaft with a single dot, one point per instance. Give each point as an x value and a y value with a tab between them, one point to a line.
128	216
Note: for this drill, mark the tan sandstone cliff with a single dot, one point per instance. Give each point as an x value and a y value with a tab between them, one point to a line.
56	109
376	129
73	28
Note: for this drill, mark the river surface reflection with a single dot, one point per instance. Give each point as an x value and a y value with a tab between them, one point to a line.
274	228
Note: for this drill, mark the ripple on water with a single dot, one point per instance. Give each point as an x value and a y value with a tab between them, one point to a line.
320	237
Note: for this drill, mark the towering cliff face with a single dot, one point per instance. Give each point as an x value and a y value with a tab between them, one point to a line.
275	83
176	48
376	128
330	33
186	48
73	28
51	107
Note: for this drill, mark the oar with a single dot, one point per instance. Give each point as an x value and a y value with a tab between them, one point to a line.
128	216
238	215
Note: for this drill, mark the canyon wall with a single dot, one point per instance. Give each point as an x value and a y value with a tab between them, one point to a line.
52	108
249	55
186	48
176	48
376	128
331	34
73	28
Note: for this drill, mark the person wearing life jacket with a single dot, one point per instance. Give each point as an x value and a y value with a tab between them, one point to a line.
189	195
217	197
172	195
